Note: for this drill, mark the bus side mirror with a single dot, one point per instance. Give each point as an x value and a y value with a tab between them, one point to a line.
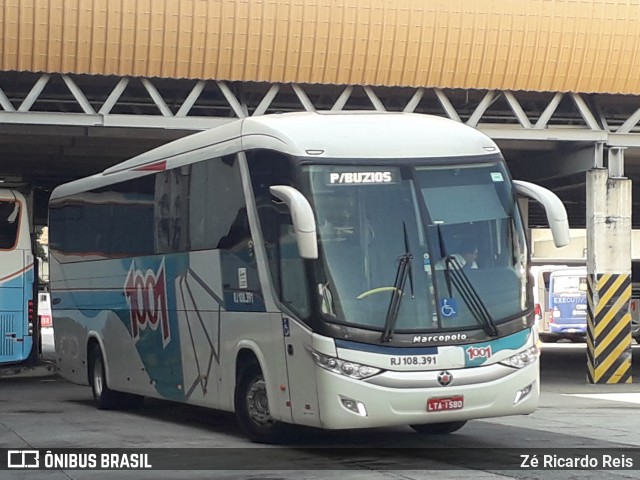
556	213
304	221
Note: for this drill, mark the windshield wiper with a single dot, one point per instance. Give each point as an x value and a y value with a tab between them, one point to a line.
455	276
403	271
469	295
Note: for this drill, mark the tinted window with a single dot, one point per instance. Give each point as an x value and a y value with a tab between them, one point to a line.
9	222
195	207
217	213
111	221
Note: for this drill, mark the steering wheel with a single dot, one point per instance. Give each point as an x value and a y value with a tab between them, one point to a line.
373	291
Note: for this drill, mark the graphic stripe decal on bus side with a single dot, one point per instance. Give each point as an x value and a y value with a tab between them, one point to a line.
609	328
16	274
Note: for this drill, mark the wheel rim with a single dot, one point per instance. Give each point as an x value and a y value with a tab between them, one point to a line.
97	378
257	403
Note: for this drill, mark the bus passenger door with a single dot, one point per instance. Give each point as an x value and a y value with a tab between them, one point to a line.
294	294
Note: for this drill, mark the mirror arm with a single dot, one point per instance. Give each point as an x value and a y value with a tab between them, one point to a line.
553	206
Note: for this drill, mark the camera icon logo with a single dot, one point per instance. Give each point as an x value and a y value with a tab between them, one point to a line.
23	459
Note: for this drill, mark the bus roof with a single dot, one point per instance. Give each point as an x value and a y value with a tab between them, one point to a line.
569	271
334	135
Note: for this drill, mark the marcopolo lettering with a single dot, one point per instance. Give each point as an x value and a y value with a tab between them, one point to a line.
449	337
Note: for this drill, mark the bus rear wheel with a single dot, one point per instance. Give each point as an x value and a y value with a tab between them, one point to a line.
438	428
252	409
105	398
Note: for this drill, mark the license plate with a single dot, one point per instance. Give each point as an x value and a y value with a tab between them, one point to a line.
445	403
413	360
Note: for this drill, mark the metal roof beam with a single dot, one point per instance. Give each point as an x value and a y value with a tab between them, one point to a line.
78	95
157	98
304	99
375	100
114	96
342	99
191	99
517	110
586	114
549	110
415	100
631	122
35	92
266	101
5	103
477	114
447	105
235	105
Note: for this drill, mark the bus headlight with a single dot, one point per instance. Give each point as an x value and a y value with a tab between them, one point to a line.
522	359
343	367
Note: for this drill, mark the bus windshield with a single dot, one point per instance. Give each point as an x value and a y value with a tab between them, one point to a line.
418	248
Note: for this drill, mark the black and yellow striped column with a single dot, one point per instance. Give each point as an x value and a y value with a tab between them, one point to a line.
609	328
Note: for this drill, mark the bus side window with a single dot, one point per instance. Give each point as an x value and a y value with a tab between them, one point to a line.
171	189
239	234
8	224
216	207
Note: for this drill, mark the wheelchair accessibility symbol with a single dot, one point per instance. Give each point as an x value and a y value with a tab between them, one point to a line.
448	307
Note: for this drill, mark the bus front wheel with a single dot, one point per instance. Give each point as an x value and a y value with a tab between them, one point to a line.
252	409
438	428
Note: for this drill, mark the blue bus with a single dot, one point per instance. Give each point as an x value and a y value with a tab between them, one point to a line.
567	309
17	310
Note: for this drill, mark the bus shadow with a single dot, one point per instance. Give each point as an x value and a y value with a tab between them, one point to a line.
477	434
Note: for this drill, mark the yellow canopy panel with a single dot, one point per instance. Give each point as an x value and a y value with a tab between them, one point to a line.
538	45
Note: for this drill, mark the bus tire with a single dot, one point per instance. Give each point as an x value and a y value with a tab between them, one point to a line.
438	428
545	338
105	398
252	409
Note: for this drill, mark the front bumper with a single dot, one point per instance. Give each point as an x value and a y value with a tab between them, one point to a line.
400	398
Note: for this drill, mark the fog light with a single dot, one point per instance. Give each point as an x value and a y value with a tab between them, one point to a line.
521	394
354	406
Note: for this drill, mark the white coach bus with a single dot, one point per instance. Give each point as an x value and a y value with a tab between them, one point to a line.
304	268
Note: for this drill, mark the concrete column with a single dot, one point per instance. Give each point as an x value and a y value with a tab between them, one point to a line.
609	275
